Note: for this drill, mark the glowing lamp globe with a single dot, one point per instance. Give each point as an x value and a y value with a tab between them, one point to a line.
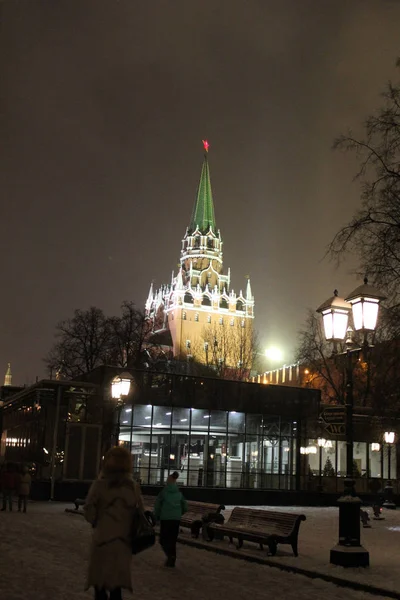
120	387
335	315
389	437
365	302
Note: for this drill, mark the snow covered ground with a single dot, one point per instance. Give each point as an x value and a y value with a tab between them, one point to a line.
319	533
43	555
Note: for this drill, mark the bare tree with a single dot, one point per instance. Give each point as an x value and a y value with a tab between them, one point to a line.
313	351
376	373
129	335
82	343
229	350
373	234
90	339
374	231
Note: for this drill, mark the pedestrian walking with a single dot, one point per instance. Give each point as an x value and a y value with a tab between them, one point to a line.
24	489
109	508
8	481
169	508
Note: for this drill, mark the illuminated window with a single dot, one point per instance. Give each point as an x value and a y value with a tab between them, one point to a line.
232	321
209	319
221	321
184	316
196	317
242	323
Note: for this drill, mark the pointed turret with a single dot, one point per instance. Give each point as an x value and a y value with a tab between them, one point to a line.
203	216
149	300
249	295
8	377
179	281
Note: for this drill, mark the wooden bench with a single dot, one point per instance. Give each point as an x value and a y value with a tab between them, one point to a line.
199	514
148	501
259	526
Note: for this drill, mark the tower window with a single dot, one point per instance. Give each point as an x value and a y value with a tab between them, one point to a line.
210	243
242	323
188	298
188	344
197	241
206	301
196	317
209	319
184	316
221	321
232	321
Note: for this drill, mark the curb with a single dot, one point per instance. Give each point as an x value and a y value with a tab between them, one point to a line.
355	585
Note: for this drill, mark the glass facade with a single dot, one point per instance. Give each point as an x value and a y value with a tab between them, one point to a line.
211	448
326	464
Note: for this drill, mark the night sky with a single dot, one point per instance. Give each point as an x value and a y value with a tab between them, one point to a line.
103	106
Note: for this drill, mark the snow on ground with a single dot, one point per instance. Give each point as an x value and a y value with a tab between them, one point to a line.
43	555
319	533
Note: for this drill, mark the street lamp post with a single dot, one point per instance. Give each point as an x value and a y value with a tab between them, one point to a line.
364	305
120	387
321	444
389	437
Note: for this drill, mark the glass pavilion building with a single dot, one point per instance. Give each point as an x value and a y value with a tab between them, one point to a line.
215	433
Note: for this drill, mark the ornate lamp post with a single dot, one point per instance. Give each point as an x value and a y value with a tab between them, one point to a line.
389	437
120	387
363	302
321	444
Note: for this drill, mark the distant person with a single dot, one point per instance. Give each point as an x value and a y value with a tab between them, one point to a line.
109	508
169	508
24	488
8	481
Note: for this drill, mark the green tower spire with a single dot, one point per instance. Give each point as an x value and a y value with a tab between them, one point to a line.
203	215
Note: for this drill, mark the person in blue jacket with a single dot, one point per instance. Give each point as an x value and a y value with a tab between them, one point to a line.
169	508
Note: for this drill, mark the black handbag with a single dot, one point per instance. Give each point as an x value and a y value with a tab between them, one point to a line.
143	534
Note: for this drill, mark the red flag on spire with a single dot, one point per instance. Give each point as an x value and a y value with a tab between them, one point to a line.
206	145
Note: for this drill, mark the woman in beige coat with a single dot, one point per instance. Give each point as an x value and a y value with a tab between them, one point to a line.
109	508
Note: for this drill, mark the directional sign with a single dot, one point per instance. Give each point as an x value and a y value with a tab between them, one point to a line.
333	415
335	429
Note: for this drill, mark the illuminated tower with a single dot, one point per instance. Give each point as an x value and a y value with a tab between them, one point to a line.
199	297
8	376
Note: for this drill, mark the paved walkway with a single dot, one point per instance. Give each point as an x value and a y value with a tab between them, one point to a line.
43	556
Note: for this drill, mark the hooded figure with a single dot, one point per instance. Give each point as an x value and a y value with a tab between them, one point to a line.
24	489
109	508
169	508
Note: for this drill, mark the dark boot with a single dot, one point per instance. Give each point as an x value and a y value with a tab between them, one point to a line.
170	561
